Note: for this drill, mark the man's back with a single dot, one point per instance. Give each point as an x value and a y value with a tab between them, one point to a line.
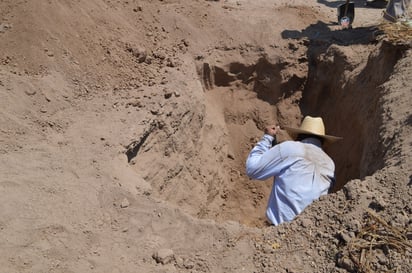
302	171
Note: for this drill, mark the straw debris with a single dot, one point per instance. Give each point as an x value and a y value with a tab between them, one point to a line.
397	33
375	234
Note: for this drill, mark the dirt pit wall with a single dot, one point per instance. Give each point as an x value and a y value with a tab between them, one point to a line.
348	95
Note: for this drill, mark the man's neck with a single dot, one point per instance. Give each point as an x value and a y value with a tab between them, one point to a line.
312	140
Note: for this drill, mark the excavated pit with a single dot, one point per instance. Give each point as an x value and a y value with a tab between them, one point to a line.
206	145
345	94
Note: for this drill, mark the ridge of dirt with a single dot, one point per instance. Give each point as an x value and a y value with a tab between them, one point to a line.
125	126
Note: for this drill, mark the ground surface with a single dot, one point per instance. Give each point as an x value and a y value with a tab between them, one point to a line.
125	126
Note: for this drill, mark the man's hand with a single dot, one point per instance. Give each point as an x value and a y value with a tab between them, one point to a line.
272	130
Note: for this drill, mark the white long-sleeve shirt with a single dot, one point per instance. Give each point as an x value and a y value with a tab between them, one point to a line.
302	170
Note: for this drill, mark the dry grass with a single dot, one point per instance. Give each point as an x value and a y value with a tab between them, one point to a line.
376	233
399	33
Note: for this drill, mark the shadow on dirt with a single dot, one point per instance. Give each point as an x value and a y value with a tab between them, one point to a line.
320	33
263	77
358	4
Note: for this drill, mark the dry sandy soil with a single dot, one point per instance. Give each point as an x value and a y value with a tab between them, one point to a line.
125	125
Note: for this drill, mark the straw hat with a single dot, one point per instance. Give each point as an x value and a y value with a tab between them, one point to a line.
312	126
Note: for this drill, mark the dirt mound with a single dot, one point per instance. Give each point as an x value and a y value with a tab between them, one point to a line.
126	125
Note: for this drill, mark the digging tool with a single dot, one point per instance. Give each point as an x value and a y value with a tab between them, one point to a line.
346	14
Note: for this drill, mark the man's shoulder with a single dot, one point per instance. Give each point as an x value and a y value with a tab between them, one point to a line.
290	143
298	148
291	146
295	150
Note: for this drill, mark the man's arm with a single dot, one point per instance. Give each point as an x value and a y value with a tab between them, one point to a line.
263	162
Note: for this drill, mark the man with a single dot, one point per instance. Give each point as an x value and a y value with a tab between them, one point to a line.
397	10
302	170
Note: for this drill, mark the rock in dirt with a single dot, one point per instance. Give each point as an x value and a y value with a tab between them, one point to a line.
138	52
377	204
164	256
346	263
30	92
4	27
125	203
306	223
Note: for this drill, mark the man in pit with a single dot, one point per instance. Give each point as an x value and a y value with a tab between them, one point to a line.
302	170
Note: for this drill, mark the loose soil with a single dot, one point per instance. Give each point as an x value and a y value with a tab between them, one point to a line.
125	126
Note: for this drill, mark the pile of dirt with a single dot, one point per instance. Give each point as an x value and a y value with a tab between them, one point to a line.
125	126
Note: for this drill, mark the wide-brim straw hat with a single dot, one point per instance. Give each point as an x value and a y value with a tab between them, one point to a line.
312	126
